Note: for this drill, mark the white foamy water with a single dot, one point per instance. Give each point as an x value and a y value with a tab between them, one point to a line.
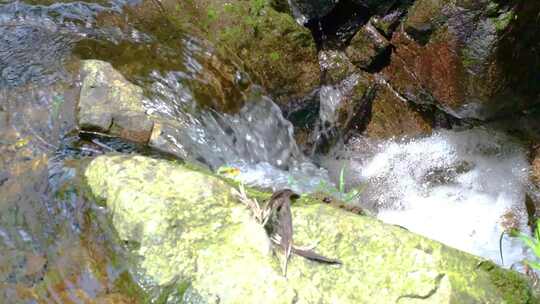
460	188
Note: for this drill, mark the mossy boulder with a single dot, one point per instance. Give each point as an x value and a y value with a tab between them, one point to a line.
279	53
184	229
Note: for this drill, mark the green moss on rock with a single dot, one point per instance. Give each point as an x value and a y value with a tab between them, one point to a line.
280	52
191	230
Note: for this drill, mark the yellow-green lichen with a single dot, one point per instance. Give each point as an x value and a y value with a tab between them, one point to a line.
191	230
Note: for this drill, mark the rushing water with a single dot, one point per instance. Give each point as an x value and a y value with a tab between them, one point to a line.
54	248
461	188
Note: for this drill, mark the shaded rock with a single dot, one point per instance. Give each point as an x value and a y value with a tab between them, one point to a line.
449	54
335	66
387	23
334	30
190	233
377	6
366	46
303	114
353	112
392	116
281	6
109	103
313	9
322	8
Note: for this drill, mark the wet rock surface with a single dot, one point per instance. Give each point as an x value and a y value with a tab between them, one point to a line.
448	54
190	233
394	117
108	103
280	53
366	45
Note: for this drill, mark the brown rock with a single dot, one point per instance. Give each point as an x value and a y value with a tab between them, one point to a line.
391	116
433	71
137	128
458	55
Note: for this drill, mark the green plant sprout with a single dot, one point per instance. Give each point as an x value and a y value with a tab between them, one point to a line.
533	242
340	192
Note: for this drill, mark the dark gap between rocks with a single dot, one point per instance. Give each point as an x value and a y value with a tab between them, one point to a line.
381	61
335	30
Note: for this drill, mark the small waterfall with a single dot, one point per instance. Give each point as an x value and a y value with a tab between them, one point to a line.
257	141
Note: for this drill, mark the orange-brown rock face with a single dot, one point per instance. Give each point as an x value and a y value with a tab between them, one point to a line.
450	55
391	116
434	69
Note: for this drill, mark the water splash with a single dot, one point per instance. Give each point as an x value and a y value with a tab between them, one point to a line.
460	188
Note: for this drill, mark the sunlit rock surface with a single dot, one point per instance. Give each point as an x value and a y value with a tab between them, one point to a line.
109	103
280	53
184	228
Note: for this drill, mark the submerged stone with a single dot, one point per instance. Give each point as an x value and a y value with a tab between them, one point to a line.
188	231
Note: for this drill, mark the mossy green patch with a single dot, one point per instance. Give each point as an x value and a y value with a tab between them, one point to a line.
192	231
278	51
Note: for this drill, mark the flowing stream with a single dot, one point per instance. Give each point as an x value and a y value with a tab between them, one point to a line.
459	187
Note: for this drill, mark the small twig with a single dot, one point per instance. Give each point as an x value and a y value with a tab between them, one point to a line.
104	146
36	135
261	214
500	247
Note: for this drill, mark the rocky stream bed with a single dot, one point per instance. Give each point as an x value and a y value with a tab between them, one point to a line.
410	129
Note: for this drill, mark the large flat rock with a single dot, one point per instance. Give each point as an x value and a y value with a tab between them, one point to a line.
186	229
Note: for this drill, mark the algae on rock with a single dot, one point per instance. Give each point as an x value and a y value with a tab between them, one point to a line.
278	51
190	230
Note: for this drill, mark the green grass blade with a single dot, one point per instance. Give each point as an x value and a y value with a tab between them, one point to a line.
342	180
